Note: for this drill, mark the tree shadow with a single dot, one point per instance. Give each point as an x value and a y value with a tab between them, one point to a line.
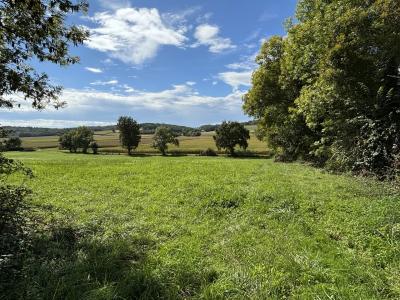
64	262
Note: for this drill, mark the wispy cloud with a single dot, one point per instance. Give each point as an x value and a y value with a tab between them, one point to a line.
236	79
110	82
52	123
133	35
94	70
208	35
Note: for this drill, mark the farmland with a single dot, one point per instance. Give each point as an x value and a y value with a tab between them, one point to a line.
109	142
118	227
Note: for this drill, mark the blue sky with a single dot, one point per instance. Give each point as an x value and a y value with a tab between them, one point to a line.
178	61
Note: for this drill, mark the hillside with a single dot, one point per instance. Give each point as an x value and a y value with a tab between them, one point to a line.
146	128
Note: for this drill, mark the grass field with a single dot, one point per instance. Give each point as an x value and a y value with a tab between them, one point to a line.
119	227
109	142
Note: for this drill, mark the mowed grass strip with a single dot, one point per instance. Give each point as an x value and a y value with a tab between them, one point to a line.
119	227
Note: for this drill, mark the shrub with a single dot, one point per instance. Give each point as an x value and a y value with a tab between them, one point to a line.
13	144
95	147
208	152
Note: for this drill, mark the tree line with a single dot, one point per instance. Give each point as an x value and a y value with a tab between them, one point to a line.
329	91
228	136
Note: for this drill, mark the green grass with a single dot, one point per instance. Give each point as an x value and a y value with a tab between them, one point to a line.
109	142
119	227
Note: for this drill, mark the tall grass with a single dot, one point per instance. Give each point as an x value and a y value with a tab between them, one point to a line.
119	227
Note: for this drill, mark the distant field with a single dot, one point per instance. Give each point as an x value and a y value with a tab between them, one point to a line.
119	227
109	141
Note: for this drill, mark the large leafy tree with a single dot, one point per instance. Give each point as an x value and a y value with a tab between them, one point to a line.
339	68
162	137
35	30
231	134
129	133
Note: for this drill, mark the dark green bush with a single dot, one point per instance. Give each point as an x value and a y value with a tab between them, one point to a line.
208	152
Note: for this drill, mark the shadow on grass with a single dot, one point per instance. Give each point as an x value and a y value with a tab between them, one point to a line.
68	263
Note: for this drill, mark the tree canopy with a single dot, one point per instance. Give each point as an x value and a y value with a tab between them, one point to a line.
330	91
230	134
129	133
79	138
35	30
164	136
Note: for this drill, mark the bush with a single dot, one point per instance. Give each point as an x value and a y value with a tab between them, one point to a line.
208	152
13	144
95	147
12	219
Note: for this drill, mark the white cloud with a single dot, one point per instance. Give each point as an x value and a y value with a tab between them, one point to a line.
133	35
247	62
236	79
180	102
180	97
207	35
50	123
94	70
110	82
190	83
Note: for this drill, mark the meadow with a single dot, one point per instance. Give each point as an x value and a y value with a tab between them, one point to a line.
120	227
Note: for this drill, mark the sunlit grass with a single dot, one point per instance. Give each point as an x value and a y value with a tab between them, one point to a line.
210	228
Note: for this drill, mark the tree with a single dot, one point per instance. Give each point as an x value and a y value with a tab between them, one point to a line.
330	91
78	138
83	138
162	137
35	29
129	133
230	134
13	143
65	141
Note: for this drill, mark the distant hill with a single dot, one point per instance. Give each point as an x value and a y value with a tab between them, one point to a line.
146	128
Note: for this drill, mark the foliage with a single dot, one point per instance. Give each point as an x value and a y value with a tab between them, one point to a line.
207	228
78	138
192	133
12	144
162	137
208	127
12	218
230	134
35	29
40	131
330	91
129	133
208	152
150	128
95	147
